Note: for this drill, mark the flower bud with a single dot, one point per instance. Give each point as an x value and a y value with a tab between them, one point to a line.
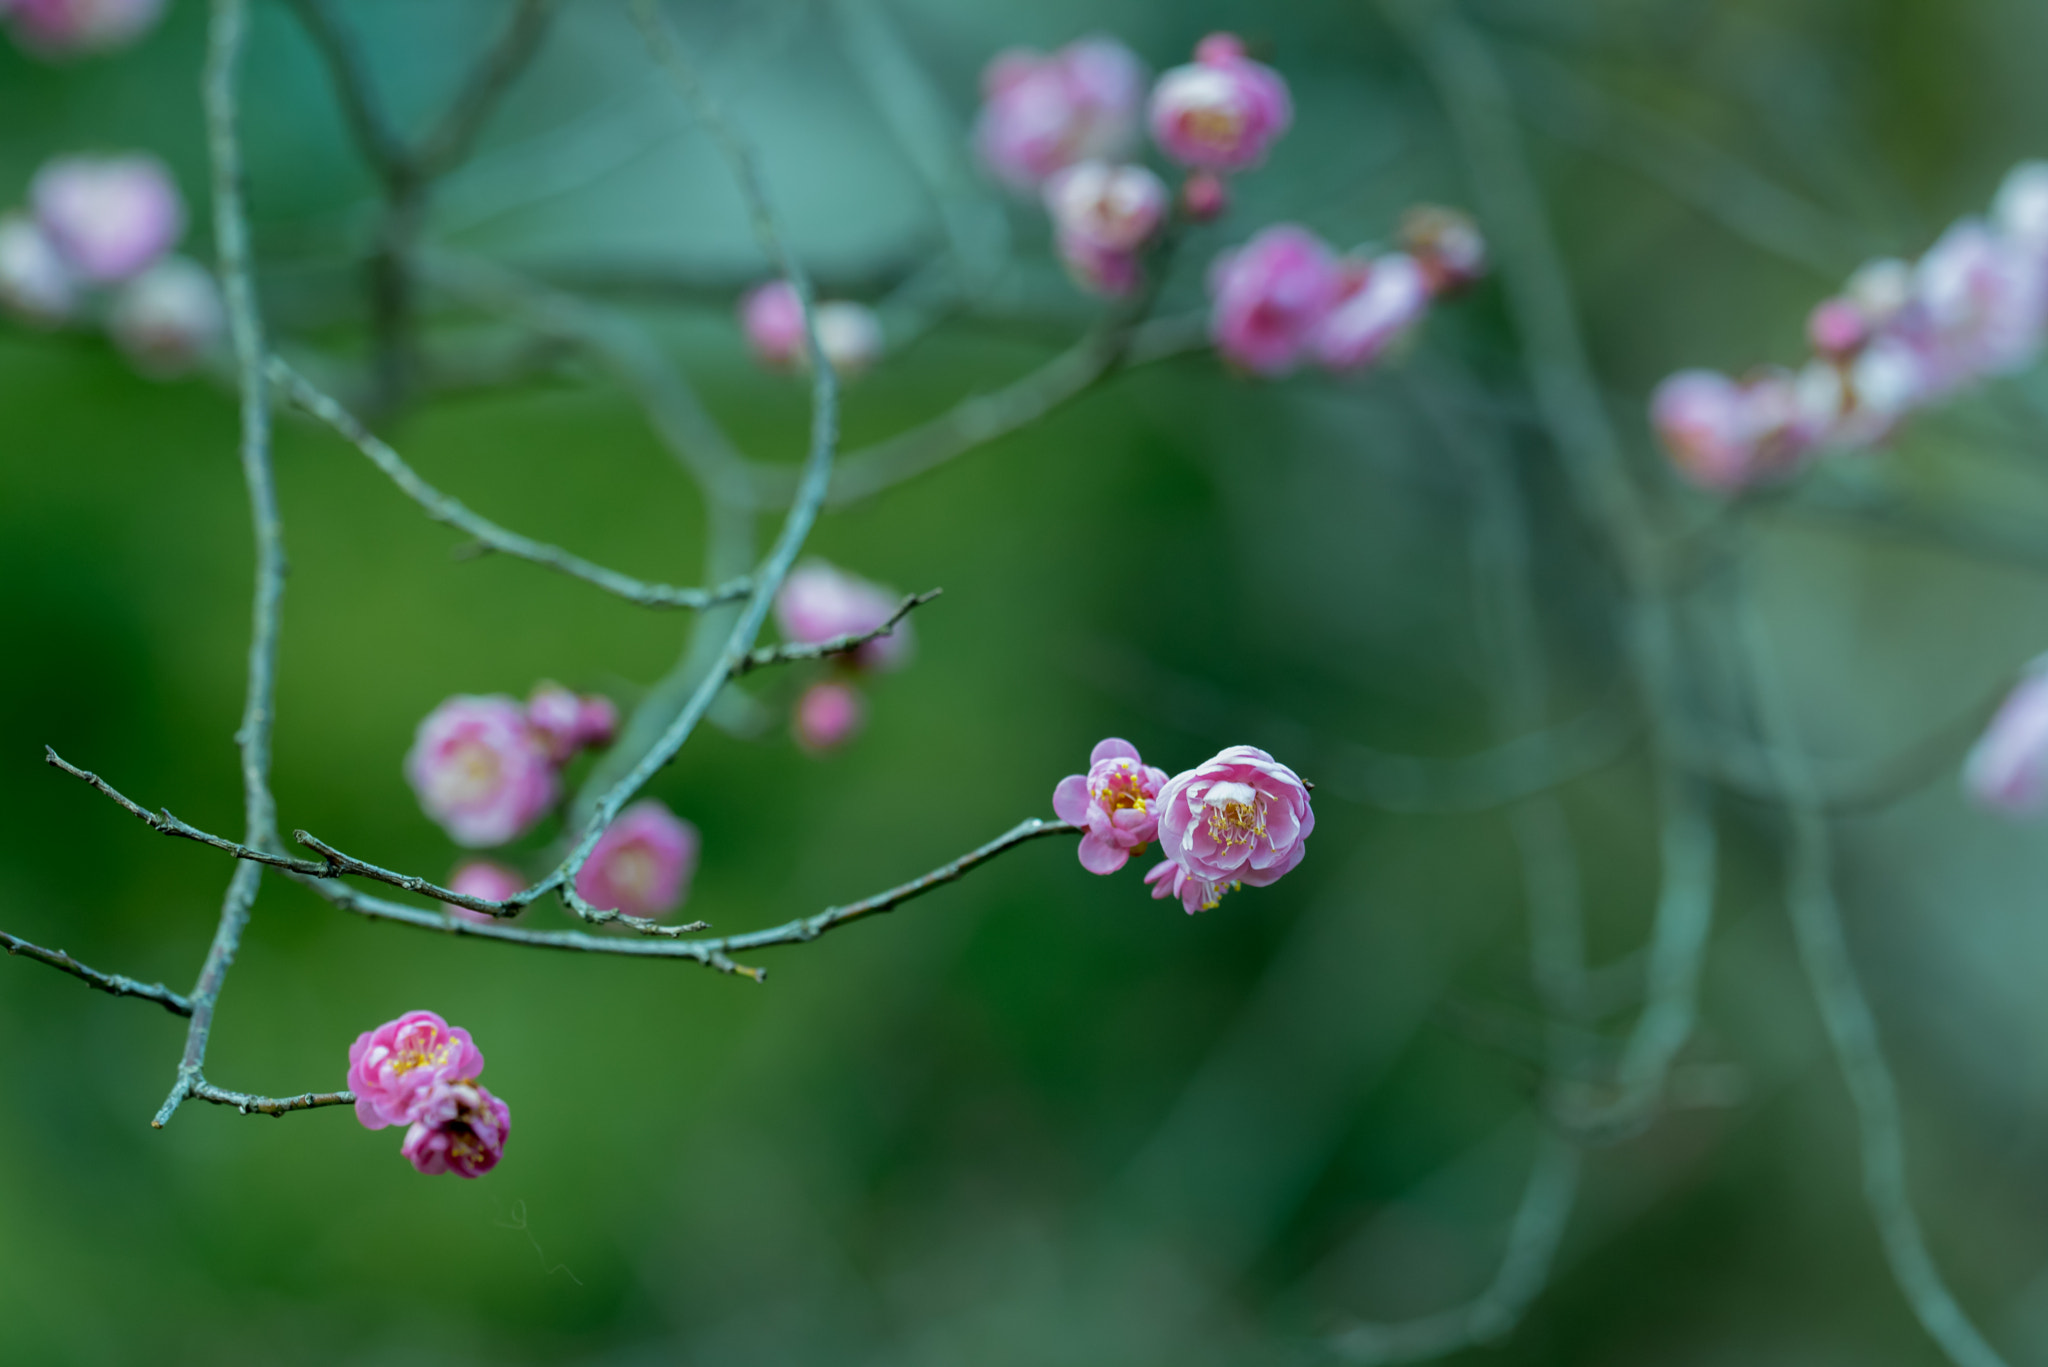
1204	196
35	284
482	878
168	318
773	321
828	715
850	336
1446	244
1270	297
108	217
65	28
1377	303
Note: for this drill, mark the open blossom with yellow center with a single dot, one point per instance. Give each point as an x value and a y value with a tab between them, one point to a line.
1240	818
395	1069
482	770
1114	803
1222	111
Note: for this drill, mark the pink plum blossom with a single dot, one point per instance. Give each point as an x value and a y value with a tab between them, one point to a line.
1446	245
394	1069
828	715
1044	112
1169	879
169	317
1222	111
1241	817
1837	327
63	28
481	770
1724	435
1102	216
642	864
485	879
1377	303
108	217
2007	769
1115	803
35	284
568	723
1983	301
772	318
461	1128
820	601
1270	298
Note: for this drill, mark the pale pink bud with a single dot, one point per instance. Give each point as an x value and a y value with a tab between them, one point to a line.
461	1129
1113	208
567	722
772	318
1204	196
1270	298
642	864
480	770
850	336
2007	769
1377	303
827	716
109	217
63	28
1115	803
1446	245
1044	112
395	1068
1240	817
35	284
2021	209
820	602
1169	879
1882	289
169	317
483	879
1221	112
1837	327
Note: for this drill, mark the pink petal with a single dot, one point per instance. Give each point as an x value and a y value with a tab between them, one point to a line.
1070	800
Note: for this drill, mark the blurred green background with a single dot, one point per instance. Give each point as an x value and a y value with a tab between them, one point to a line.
1035	1118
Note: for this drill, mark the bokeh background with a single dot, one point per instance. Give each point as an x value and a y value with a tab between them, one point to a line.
1034	1118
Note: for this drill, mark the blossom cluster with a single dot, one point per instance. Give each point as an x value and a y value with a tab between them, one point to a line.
1239	819
1285	297
95	244
68	28
772	320
488	768
421	1072
1901	336
820	602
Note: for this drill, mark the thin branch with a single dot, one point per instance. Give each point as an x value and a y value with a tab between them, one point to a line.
453	512
449	143
225	36
712	952
202	1090
764	656
1532	1243
166	824
115	983
1845	1011
817	466
351	80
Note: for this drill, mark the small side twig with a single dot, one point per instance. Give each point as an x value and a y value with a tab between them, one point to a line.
166	824
116	984
764	656
488	534
202	1090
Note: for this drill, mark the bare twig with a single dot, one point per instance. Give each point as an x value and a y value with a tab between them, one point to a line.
764	656
167	824
1851	1028
117	984
452	511
231	233
448	144
202	1090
